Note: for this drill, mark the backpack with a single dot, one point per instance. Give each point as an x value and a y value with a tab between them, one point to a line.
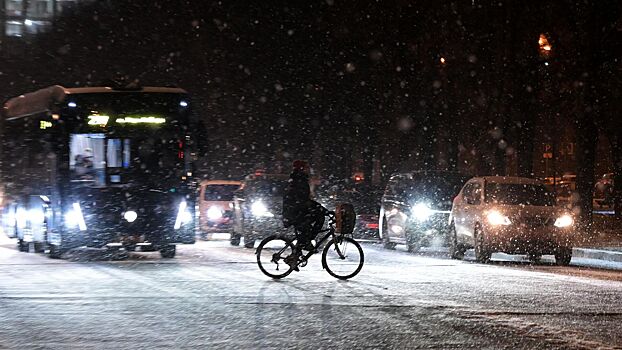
346	218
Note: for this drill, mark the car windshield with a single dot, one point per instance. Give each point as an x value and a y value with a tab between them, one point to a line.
518	194
438	189
220	192
267	188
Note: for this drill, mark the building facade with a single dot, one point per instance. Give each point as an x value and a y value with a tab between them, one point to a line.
21	18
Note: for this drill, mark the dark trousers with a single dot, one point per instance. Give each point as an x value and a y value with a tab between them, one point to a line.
311	222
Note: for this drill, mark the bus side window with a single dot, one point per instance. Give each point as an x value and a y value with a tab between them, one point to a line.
86	159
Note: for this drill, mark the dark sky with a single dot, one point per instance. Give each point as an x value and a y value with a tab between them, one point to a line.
275	81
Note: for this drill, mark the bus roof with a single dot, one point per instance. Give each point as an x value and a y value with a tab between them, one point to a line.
41	101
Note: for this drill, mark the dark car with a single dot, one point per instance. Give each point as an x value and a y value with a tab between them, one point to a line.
258	206
415	208
366	204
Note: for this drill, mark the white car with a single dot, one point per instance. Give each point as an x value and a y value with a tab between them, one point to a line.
513	215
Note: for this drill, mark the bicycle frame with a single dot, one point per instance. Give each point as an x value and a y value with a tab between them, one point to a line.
330	233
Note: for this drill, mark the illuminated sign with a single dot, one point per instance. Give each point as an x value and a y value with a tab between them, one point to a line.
44	125
101	120
141	120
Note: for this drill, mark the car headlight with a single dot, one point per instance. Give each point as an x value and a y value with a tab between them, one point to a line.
495	218
422	211
397	229
564	221
214	213
183	215
74	217
260	209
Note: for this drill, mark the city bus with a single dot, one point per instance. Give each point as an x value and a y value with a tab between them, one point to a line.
98	167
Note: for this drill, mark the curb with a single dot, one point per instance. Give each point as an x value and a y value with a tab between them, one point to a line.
597	254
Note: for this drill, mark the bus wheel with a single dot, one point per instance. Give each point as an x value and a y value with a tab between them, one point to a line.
23	246
39	247
168	252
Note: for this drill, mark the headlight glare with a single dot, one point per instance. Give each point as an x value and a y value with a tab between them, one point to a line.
260	209
495	218
397	229
183	215
75	218
130	216
422	211
214	213
564	221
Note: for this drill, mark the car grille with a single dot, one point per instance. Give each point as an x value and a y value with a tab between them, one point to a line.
537	221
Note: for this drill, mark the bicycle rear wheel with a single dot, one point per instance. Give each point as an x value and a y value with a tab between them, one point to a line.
271	254
343	258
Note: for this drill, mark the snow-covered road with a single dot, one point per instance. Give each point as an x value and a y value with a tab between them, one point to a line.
213	296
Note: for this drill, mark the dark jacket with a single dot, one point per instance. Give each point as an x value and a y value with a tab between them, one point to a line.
296	198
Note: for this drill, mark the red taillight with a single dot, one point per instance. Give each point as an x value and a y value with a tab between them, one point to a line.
372	226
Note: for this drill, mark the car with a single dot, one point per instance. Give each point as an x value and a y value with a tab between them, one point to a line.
604	191
216	206
258	207
514	215
365	203
415	206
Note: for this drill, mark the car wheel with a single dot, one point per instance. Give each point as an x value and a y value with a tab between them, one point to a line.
456	250
482	251
235	239
563	255
168	252
249	241
534	257
412	244
385	235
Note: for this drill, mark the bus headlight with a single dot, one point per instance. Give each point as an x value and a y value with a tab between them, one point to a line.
214	213
260	209
564	221
74	217
183	215
130	216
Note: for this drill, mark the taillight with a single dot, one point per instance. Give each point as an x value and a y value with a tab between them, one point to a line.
180	151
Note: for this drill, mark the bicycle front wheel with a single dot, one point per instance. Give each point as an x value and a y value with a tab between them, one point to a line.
343	258
271	255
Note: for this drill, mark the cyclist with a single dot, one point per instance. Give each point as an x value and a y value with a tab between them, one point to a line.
299	210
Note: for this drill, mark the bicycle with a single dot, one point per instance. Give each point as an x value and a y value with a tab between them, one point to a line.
336	259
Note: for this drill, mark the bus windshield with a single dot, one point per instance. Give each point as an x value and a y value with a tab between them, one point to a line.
99	160
127	137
